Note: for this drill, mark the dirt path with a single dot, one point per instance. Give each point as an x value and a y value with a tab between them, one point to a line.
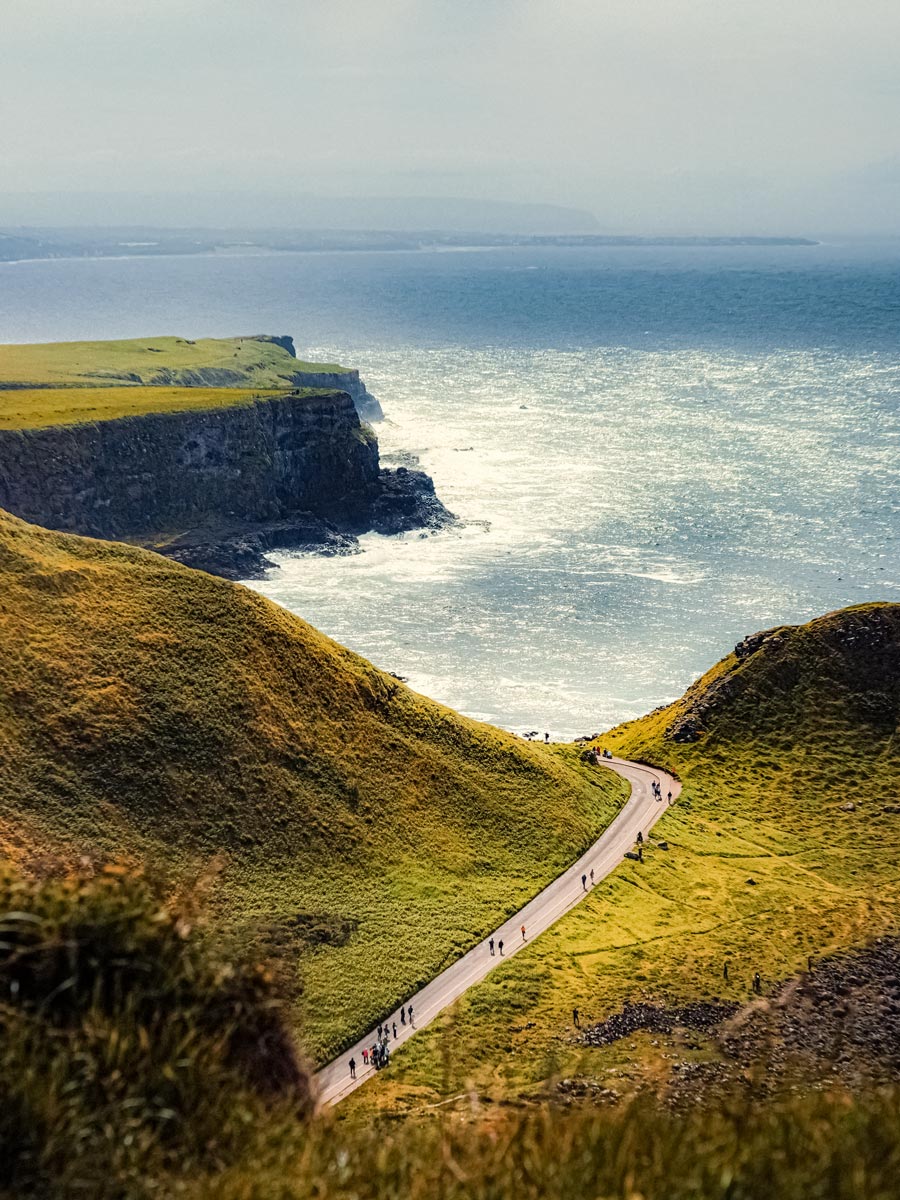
333	1082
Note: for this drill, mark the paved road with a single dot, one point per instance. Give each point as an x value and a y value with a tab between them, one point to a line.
333	1082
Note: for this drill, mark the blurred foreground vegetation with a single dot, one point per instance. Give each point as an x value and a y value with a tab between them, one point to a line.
137	1060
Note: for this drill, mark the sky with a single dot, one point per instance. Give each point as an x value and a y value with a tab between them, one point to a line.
687	116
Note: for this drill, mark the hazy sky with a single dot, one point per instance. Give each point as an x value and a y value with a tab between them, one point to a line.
687	115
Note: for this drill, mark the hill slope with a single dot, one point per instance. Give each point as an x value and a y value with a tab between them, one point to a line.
783	847
155	712
260	362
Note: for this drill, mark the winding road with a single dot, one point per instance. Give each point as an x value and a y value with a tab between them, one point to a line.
642	809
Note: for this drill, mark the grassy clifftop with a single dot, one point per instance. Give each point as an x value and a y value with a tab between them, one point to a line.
64	383
35	408
367	833
783	846
253	361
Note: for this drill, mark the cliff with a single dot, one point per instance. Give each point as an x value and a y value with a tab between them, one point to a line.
341	379
262	361
216	488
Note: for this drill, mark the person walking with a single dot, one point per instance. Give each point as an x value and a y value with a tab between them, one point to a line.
352	1068
365	1055
670	797
592	876
395	1030
523	933
379	1033
491	947
575	1020
725	972
584	882
546	738
757	983
410	1010
500	947
403	1014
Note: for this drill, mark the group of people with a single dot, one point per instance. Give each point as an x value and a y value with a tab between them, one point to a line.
379	1054
594	755
498	945
657	791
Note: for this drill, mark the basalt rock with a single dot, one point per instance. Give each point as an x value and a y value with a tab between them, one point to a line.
218	488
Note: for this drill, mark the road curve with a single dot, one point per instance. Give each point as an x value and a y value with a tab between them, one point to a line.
642	809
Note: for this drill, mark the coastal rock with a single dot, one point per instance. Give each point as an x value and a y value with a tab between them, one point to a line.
240	552
285	472
406	500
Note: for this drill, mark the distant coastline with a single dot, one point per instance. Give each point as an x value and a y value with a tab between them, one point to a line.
31	244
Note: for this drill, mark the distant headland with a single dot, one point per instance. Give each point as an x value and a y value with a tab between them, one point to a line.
25	243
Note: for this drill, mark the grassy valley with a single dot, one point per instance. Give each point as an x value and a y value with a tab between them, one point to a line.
357	831
783	848
221	828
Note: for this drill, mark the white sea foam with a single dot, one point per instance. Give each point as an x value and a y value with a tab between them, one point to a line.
645	509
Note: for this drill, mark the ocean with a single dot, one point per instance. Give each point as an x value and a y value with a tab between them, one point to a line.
653	451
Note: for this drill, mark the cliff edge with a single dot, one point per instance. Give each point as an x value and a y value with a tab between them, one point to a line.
194	465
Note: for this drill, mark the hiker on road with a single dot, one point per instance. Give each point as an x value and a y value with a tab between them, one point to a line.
523	933
584	882
592	876
500	947
352	1068
491	947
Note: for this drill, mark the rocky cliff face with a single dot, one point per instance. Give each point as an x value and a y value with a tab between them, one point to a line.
216	488
345	381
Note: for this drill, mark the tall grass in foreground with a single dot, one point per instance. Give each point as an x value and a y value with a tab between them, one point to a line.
138	1063
128	1047
801	1148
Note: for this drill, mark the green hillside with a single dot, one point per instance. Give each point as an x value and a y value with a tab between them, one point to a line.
63	383
176	361
783	847
33	408
361	832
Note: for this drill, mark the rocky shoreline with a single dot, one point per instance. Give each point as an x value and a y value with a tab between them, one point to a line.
218	488
401	501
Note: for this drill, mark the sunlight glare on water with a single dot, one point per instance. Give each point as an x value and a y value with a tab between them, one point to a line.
644	510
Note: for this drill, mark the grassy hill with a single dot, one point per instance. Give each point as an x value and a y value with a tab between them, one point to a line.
33	408
173	361
361	832
783	847
66	383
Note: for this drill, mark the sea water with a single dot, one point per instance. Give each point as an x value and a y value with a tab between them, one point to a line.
652	451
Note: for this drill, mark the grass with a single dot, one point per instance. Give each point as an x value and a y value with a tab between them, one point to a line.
128	1046
32	408
364	833
824	1146
66	383
316	809
142	360
139	1061
764	868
